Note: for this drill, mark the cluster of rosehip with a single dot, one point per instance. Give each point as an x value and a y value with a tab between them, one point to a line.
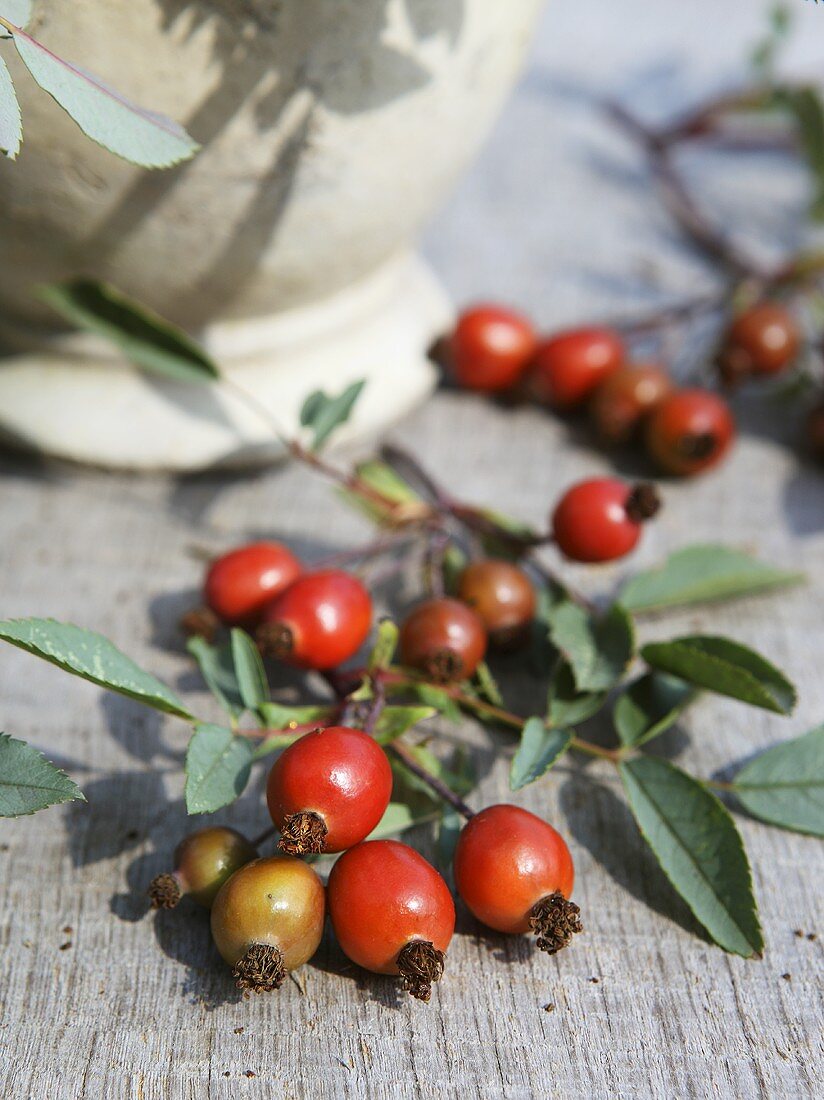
685	431
390	910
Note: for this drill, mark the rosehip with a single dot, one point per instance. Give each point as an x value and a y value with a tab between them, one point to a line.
690	431
567	368
761	340
240	584
267	919
503	597
601	519
625	397
318	622
203	861
444	639
514	873
490	348
392	913
328	790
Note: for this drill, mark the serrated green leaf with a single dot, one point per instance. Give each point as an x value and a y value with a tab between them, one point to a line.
218	763
597	650
322	413
277	716
395	721
249	671
17	12
218	670
785	784
134	133
11	126
566	705
698	846
144	338
89	655
385	645
29	782
649	706
725	667
487	685
539	750
702	574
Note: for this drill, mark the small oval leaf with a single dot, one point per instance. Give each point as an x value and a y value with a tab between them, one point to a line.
597	650
649	706
785	784
218	763
322	413
700	851
218	670
394	721
29	782
249	671
566	706
539	750
725	667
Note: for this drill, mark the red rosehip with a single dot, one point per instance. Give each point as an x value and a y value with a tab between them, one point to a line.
267	919
761	340
444	639
328	790
514	873
318	622
625	398
202	863
240	584
600	519
503	597
392	912
690	431
567	368
490	348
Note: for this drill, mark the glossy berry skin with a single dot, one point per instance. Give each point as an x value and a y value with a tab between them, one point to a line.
383	895
444	639
278	902
567	369
506	861
625	398
502	596
594	521
762	340
240	584
339	774
689	432
319	622
490	348
203	861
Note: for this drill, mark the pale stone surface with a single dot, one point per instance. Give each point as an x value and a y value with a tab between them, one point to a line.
140	1007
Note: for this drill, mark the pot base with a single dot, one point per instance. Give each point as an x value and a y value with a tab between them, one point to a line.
77	399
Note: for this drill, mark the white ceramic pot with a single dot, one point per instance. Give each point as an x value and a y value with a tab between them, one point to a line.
330	131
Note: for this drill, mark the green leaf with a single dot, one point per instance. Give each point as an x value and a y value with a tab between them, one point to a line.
28	782
805	105
698	846
394	721
275	743
322	413
785	784
566	706
249	670
218	763
725	667
399	816
488	686
431	696
597	650
385	645
649	706
453	564
539	749
218	670
449	830
702	573
11	127
134	133
92	657
276	716
144	338
17	12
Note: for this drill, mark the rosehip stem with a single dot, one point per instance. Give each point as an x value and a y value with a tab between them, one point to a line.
440	788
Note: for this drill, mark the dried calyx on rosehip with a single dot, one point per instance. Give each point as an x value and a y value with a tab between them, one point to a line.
267	920
320	621
503	597
328	791
392	913
515	874
600	519
203	861
762	340
444	639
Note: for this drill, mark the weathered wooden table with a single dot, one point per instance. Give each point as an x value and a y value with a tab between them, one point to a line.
98	999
